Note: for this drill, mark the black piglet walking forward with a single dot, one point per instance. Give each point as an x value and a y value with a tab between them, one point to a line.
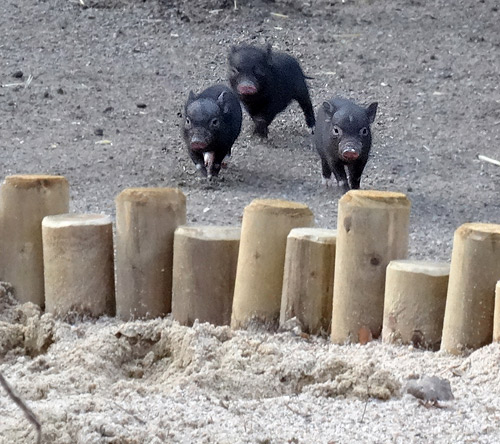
266	82
212	124
343	140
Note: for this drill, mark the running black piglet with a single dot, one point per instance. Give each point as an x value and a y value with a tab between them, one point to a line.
266	82
212	124
343	140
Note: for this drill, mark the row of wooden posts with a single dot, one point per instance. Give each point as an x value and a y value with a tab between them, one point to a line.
354	282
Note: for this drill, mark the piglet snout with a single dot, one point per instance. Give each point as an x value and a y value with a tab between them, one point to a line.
350	154
198	145
246	88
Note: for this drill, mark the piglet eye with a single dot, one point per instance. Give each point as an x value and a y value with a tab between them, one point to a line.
258	71
215	122
336	131
234	71
363	131
188	121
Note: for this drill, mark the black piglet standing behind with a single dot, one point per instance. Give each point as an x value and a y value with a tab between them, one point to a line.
343	140
266	82
212	124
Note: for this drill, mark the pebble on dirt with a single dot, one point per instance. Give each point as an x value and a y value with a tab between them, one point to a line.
430	389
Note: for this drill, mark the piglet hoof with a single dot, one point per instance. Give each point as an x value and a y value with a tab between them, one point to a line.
344	185
216	169
261	133
201	168
327	183
261	128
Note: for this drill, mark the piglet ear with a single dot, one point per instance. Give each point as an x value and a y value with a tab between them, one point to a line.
329	109
191	97
371	111
231	53
269	51
223	105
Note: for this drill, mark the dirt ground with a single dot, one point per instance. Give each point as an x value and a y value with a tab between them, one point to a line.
94	90
124	69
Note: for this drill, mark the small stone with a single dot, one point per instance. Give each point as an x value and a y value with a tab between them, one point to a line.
292	325
99	132
141	105
430	389
18	75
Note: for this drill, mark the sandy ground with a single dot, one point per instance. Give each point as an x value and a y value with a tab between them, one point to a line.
157	382
103	108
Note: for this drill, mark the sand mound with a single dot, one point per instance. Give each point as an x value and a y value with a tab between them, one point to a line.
108	381
23	326
216	359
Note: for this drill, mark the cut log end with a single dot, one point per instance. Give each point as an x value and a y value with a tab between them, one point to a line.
146	194
318	235
421	267
375	198
75	220
27	181
210	233
278	206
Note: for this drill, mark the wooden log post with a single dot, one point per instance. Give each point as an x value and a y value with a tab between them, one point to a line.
259	274
496	317
204	271
79	269
146	219
372	230
308	278
25	201
475	269
415	297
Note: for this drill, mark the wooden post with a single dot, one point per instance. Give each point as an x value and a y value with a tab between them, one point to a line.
25	201
475	269
308	278
496	317
146	219
259	275
79	271
372	231
415	297
204	272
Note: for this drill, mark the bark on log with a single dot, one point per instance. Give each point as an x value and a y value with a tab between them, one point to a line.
146	219
474	272
372	230
25	201
308	278
205	261
415	297
496	317
79	269
259	275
